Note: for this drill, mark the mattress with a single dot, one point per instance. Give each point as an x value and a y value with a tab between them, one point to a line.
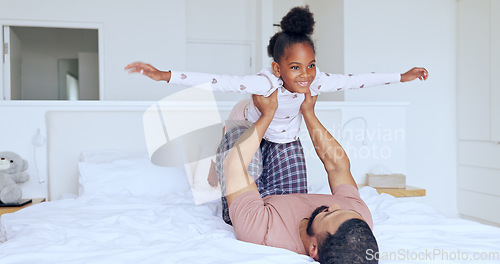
173	229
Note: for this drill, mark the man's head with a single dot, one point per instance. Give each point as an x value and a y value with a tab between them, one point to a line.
339	236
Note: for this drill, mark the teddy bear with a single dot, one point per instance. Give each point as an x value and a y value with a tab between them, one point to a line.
12	172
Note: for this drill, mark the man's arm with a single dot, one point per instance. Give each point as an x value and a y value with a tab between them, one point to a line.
330	152
240	155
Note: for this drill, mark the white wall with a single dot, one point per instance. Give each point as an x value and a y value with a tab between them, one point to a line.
214	19
329	40
394	36
221	38
377	146
265	31
151	30
383	36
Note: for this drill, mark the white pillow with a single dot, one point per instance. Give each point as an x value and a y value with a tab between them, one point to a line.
131	175
107	156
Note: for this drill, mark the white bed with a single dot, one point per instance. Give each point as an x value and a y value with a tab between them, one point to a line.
140	226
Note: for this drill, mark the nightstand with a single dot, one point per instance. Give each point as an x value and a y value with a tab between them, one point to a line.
409	191
6	210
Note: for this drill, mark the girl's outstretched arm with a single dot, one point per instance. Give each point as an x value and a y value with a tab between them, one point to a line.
328	82
260	84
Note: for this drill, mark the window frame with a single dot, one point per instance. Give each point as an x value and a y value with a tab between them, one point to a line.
5	89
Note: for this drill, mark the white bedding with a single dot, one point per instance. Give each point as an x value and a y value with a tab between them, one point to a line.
100	229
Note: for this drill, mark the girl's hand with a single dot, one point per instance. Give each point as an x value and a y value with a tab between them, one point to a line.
266	105
420	73
148	70
309	103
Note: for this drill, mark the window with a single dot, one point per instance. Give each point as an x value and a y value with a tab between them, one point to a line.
50	63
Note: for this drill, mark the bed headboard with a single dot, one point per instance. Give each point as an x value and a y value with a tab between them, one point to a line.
71	132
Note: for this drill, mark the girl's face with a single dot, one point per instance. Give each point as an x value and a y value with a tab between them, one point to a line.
297	67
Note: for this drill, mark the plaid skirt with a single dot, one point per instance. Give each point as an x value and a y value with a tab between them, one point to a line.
277	168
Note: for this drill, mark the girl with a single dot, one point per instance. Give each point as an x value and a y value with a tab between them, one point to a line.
292	73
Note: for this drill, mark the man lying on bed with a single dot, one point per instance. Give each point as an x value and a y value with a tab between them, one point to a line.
329	228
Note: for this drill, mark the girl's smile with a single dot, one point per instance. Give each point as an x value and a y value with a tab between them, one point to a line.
297	68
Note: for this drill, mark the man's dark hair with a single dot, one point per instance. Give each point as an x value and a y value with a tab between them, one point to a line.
349	244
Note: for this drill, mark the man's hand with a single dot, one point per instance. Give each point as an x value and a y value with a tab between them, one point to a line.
420	73
148	70
266	105
309	103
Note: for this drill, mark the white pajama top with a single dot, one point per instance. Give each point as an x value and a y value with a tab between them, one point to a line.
285	126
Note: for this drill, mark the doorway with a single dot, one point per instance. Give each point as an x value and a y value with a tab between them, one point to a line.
50	63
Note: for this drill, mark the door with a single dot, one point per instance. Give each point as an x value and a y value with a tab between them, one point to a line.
11	65
88	75
473	47
495	70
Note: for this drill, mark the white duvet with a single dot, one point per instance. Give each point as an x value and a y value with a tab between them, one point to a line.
99	229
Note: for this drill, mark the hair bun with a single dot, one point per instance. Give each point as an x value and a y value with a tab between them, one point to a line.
299	20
